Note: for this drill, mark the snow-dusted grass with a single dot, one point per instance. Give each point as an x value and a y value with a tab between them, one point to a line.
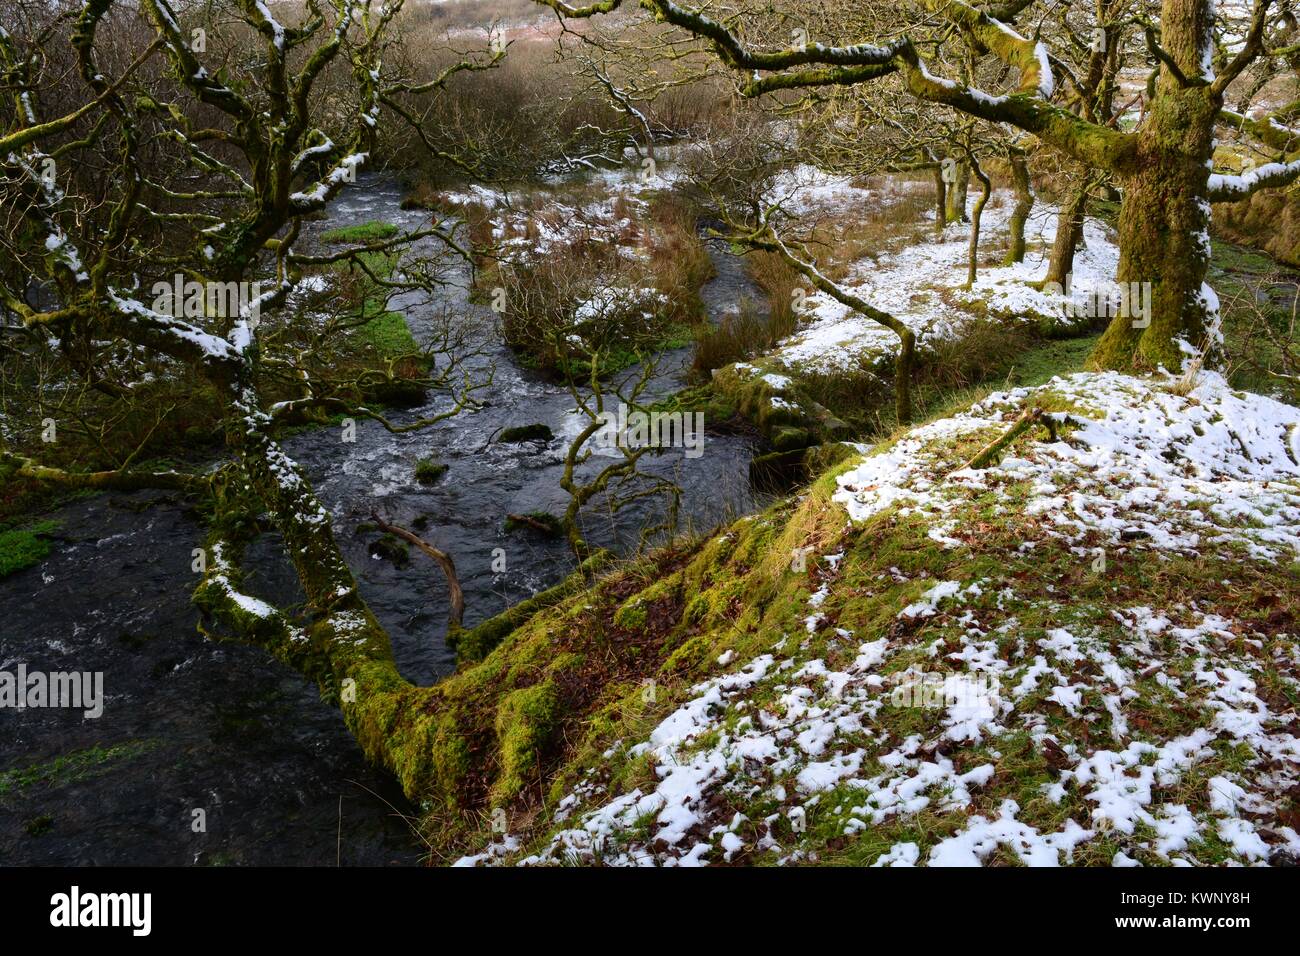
923	285
1111	617
805	190
594	269
1210	470
605	205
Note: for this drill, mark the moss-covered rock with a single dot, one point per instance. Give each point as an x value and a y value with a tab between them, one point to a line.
392	548
541	522
769	396
520	433
1261	221
428	471
23	547
789	438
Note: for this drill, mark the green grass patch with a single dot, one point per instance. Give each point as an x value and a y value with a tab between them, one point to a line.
388	334
372	231
72	767
23	547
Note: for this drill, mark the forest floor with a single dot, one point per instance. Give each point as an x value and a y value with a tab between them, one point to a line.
1077	649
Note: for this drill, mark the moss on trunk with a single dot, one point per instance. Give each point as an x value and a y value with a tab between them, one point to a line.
1165	214
1020	214
1163	235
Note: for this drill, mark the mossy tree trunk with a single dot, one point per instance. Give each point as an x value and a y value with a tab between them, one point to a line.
957	193
986	186
940	200
1165	213
1020	184
1069	230
904	366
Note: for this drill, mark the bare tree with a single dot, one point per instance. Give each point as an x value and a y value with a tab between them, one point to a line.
199	140
1164	165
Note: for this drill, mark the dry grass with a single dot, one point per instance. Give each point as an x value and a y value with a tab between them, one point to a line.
542	292
530	114
678	259
739	335
852	235
779	281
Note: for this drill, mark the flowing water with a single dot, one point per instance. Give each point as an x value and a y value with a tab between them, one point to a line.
213	753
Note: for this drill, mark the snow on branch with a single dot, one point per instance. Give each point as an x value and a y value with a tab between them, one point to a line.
171	335
309	200
1229	188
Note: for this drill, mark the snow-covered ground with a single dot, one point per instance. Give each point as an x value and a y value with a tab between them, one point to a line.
805	190
1153	468
1193	472
908	285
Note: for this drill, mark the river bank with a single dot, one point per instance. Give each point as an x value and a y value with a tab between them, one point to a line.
194	725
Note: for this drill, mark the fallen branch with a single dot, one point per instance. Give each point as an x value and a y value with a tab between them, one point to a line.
530	521
1027	420
119	480
445	562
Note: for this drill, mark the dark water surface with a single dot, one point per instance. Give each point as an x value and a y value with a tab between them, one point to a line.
193	725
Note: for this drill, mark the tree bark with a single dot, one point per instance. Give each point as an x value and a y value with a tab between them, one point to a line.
1165	214
1024	203
957	194
972	263
940	200
903	366
1069	230
456	615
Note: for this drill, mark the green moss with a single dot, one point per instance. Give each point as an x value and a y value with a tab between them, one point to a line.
690	656
788	438
72	767
564	663
392	548
524	723
631	616
388	334
476	643
385	333
451	757
363	232
428	471
22	548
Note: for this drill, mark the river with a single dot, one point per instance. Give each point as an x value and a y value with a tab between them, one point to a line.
213	753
